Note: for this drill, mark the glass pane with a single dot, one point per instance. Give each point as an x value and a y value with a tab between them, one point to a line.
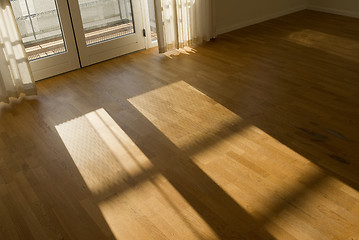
106	19
40	28
151	6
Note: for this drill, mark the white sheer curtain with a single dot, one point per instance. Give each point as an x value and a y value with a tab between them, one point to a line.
182	23
15	73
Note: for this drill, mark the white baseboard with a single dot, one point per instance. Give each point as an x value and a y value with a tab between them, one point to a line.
258	20
334	11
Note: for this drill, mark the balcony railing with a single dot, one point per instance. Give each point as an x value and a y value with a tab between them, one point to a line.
40	25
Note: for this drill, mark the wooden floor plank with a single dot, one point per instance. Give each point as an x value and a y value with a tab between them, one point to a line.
251	136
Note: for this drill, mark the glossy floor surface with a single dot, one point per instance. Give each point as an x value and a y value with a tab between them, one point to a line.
251	136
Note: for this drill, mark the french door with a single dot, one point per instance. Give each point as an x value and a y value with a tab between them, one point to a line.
63	35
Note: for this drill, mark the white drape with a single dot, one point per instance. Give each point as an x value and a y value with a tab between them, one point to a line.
15	73
183	23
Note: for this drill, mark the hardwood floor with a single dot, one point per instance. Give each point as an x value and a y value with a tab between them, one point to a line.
251	136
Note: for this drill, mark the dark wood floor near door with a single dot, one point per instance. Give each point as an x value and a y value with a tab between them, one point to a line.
251	136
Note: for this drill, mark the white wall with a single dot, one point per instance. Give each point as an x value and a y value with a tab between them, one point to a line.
342	7
234	14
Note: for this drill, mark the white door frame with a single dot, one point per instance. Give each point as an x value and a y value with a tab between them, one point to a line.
62	62
147	24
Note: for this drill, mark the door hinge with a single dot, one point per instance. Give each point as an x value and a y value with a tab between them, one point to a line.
144	32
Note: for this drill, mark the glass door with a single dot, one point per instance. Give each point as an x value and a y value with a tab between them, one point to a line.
46	30
63	35
106	29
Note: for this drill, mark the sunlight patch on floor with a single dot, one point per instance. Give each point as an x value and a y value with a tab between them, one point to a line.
176	52
155	205
268	179
335	45
186	116
101	150
128	190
